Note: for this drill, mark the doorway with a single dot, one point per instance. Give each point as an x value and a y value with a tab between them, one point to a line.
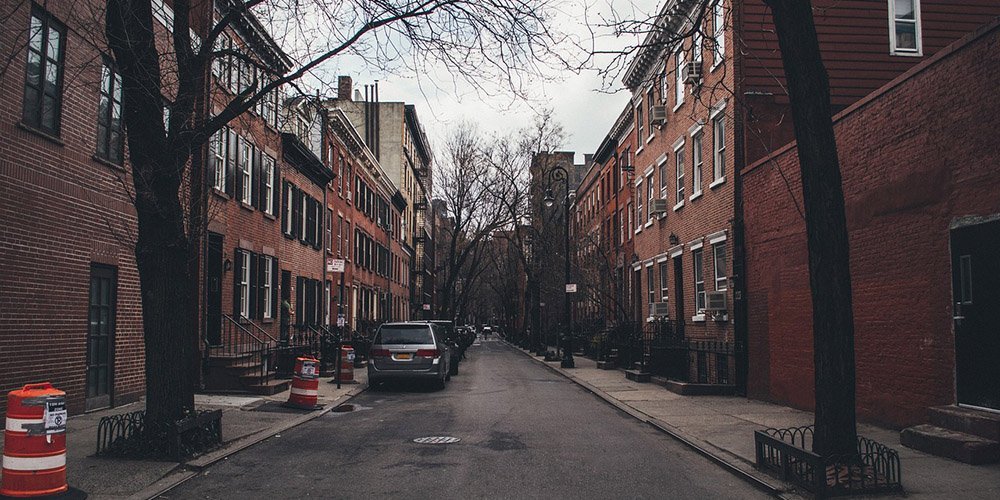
213	284
101	337
975	266
678	297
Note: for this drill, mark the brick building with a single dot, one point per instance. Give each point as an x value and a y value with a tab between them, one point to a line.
921	213
706	105
70	288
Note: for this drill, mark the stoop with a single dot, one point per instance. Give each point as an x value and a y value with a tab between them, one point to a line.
963	434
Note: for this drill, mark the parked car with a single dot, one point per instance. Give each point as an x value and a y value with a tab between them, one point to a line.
452	339
409	351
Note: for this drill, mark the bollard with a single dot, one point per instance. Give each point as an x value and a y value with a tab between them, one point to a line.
34	452
345	374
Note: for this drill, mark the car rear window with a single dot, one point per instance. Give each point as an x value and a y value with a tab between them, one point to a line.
404	334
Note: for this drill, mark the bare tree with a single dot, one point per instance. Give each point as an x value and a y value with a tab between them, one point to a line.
826	228
166	76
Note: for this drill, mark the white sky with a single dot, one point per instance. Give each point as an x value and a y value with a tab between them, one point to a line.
585	112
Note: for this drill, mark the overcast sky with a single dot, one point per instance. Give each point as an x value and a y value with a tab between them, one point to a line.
584	110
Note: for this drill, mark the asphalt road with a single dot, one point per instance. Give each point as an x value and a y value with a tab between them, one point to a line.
524	432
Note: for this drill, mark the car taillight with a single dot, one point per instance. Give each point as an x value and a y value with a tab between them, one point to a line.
428	353
380	353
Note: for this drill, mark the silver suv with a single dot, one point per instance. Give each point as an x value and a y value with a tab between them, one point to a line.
410	351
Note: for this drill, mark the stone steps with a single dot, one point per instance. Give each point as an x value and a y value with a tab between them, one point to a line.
961	446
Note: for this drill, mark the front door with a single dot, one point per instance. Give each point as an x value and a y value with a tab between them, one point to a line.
286	303
975	264
678	297
101	337
213	283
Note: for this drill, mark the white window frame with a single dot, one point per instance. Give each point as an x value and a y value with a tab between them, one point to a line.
696	48
290	208
696	163
268	185
664	273
267	284
698	276
639	137
246	170
718	34
245	285
678	78
718	148
651	285
650	196
679	173
638	205
220	149
894	48
650	102
661	167
721	281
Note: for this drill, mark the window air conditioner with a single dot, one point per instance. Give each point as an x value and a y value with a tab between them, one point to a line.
659	114
658	206
692	72
659	310
715	302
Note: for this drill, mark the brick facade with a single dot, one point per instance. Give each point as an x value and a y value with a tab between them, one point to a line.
931	165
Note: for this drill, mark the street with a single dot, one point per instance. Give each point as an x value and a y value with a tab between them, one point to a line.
523	431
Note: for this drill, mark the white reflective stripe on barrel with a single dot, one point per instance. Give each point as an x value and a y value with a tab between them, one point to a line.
305	392
17	424
34	463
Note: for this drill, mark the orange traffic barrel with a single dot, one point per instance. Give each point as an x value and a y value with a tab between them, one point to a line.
34	451
346	373
305	384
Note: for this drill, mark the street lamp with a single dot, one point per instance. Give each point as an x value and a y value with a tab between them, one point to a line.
558	173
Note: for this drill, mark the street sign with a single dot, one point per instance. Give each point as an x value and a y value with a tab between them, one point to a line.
571	288
427	307
334	265
341	320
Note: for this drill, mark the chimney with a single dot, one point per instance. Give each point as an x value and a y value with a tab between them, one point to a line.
344	87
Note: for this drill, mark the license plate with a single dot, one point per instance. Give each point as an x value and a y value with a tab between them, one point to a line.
404	355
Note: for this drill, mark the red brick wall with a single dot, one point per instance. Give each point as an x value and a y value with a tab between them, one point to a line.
61	211
933	160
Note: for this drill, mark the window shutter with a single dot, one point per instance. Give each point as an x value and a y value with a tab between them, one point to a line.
320	226
210	166
300	302
254	281
320	297
231	155
274	288
296	212
284	207
262	266
257	182
237	275
238	168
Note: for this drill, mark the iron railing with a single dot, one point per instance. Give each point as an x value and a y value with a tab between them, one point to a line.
242	345
660	348
788	454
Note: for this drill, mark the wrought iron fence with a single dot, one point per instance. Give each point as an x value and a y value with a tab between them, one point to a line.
127	435
239	342
787	453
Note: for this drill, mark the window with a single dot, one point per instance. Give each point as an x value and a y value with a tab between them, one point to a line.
109	116
664	84
267	285
627	229
244	283
650	285
287	216
718	33
220	63
267	195
640	135
649	104
719	136
663	281
340	235
696	164
638	207
664	176
679	161
678	78
218	153
329	231
719	251
246	169
43	76
904	27
699	281
650	195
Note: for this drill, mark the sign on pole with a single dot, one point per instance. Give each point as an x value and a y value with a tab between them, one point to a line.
427	307
341	320
571	288
334	265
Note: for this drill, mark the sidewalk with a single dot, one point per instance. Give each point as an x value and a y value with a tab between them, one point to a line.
722	428
246	420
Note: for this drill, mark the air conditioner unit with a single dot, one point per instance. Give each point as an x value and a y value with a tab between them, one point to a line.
660	310
692	72
658	206
349	195
715	301
659	114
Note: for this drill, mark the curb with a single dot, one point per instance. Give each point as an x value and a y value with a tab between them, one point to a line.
731	465
188	470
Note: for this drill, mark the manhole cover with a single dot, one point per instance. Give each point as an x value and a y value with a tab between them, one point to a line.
344	408
437	440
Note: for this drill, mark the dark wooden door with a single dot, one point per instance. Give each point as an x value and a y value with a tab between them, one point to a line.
286	301
101	337
213	283
975	253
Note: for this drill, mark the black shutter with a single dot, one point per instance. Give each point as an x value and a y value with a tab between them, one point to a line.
210	166
300	310
254	282
262	268
286	194
238	170
320	226
320	297
274	288
257	184
296	212
276	199
231	157
237	276
310	232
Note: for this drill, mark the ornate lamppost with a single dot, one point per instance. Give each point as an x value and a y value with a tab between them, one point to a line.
558	173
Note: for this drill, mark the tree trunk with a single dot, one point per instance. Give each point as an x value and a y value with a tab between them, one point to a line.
826	228
162	249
